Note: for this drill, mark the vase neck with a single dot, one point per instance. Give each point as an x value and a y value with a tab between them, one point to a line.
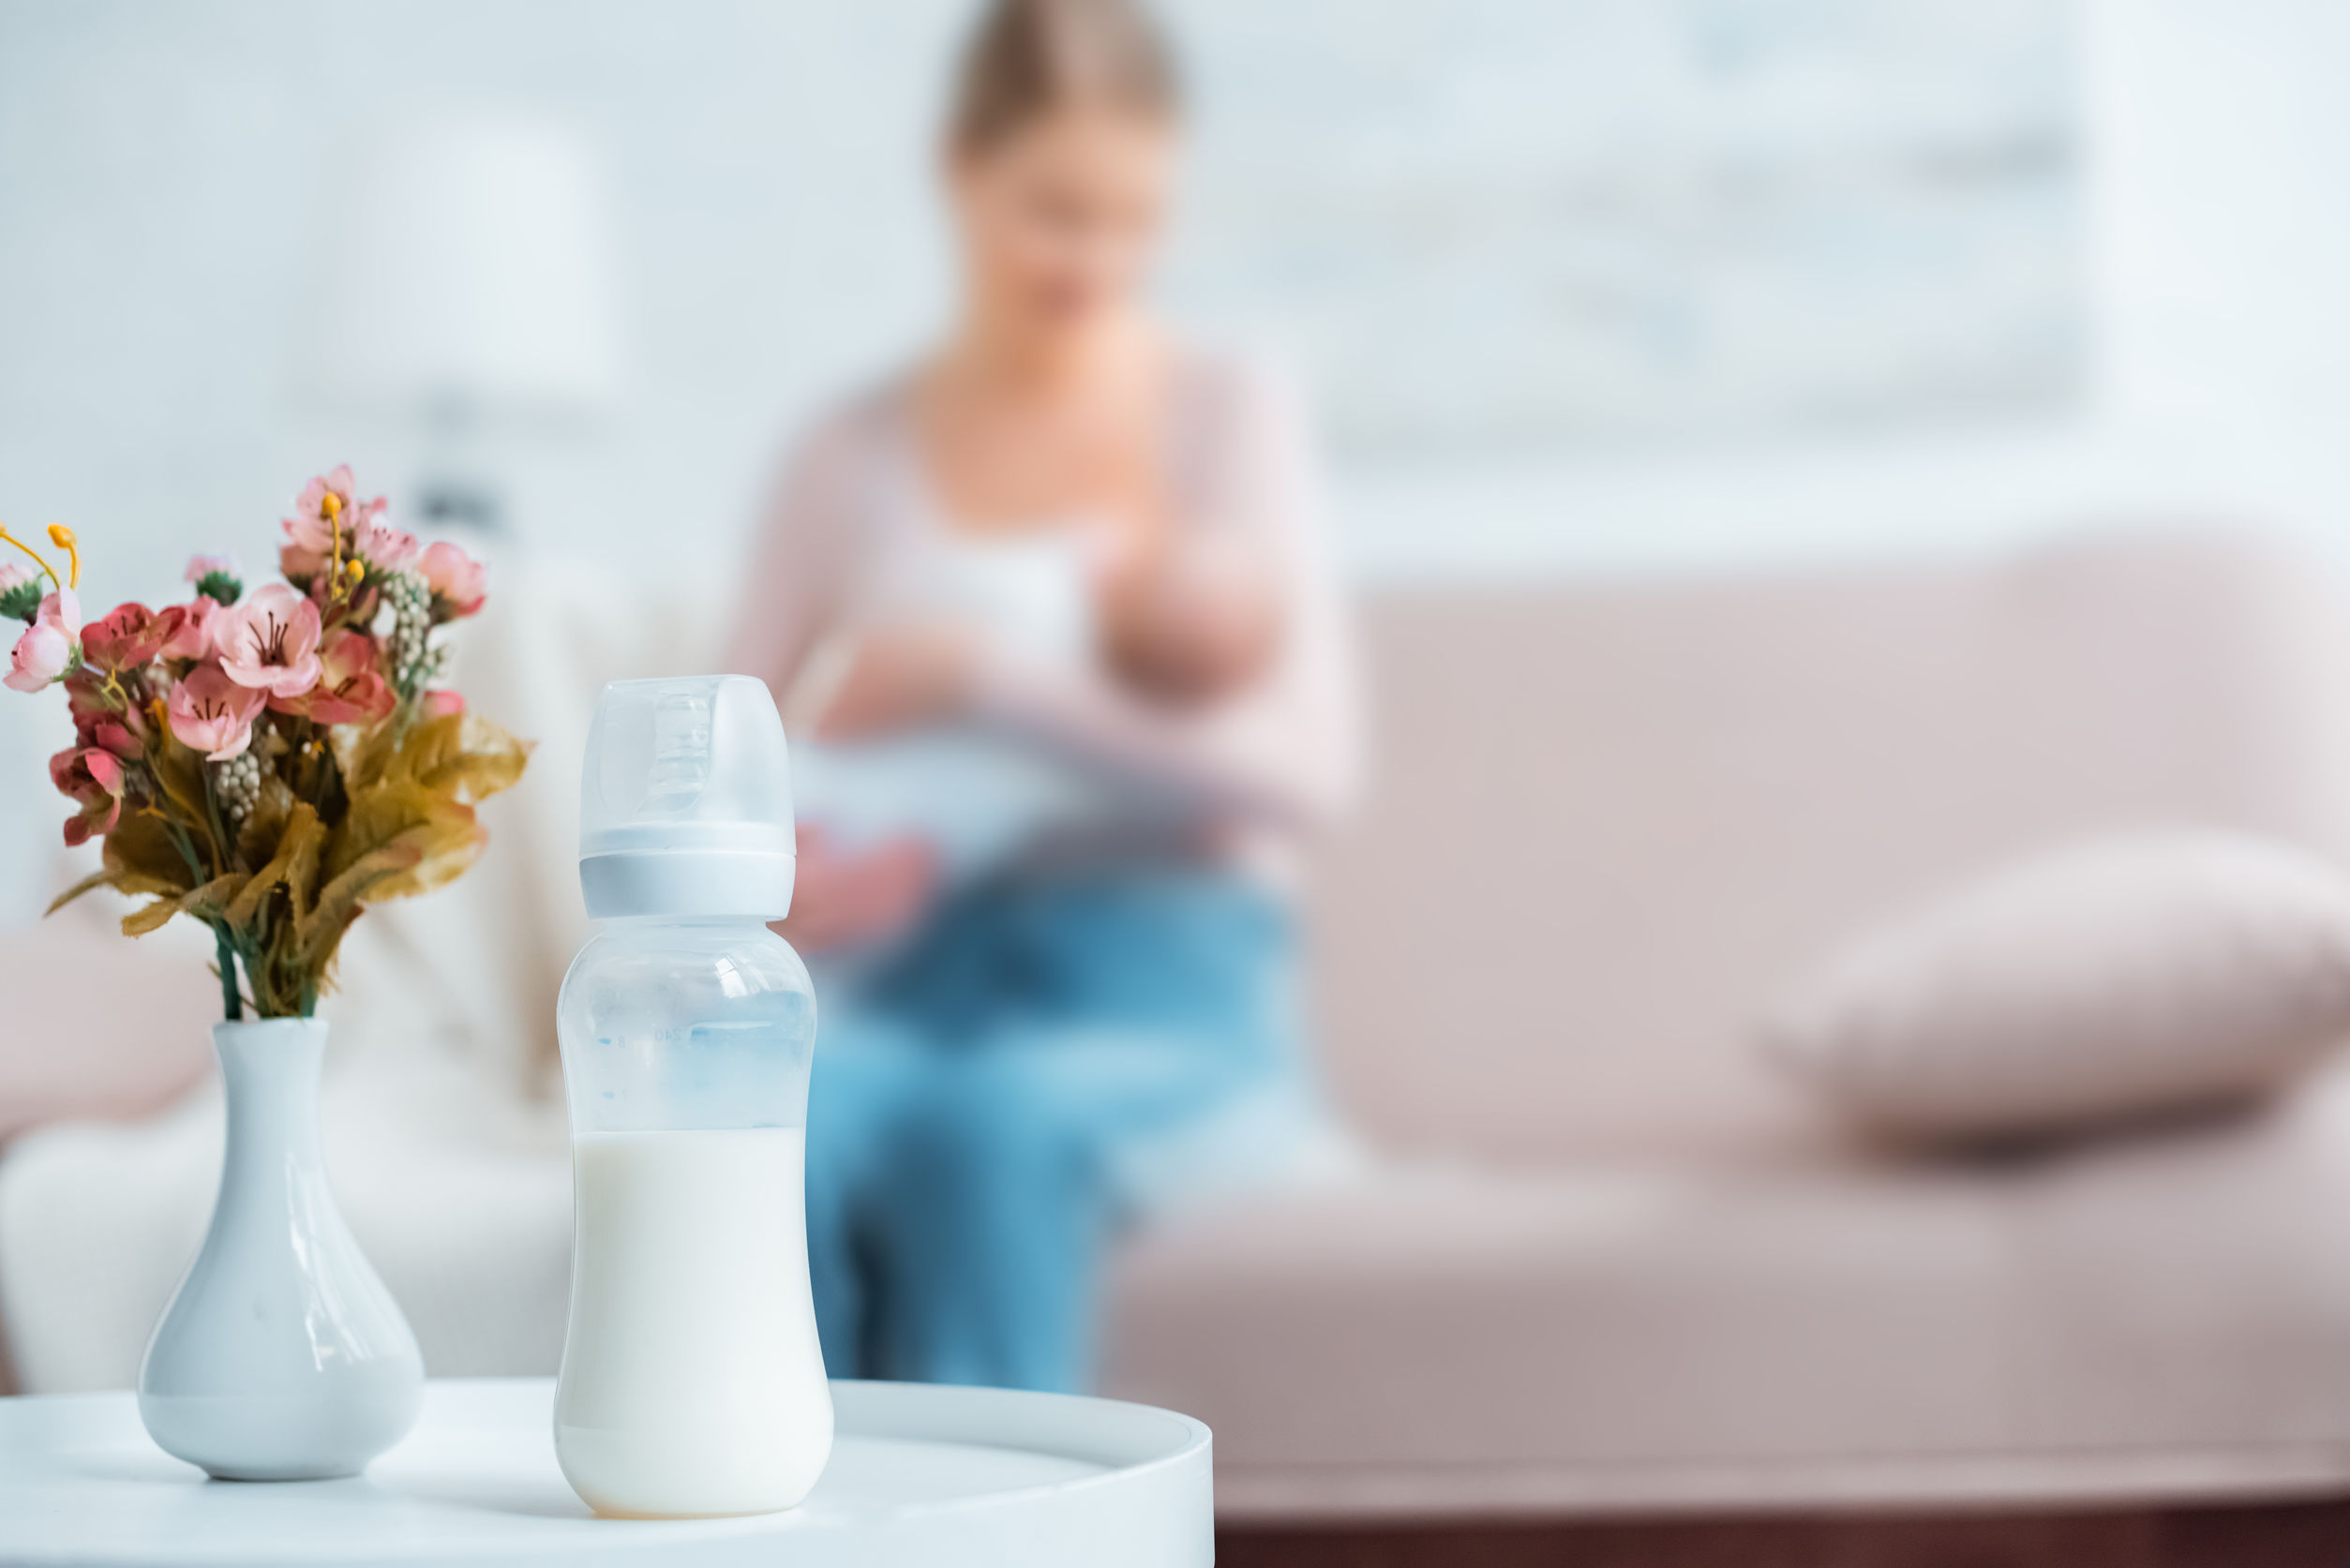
270	1073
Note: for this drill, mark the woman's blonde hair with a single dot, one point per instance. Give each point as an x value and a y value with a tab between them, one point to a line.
1025	58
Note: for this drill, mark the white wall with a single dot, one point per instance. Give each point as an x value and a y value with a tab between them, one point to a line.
157	165
2220	145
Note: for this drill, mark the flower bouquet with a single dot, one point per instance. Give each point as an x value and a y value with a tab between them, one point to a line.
270	764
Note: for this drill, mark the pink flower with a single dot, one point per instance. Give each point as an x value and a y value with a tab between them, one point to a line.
454	576
388	547
130	638
46	649
92	778
13	575
444	704
213	713
201	567
323	507
270	642
327	510
350	689
187	628
299	562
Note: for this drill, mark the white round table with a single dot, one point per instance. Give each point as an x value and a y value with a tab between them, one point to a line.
973	1477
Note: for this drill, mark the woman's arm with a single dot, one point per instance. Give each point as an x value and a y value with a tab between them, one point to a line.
792	598
1286	749
792	591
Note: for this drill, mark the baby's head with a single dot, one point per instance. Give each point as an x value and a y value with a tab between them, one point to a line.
1191	620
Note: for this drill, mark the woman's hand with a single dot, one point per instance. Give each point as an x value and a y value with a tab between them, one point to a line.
901	678
843	898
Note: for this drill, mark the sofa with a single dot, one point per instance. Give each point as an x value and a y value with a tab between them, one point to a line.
1600	1259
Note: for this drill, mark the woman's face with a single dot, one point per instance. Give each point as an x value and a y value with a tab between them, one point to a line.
1059	219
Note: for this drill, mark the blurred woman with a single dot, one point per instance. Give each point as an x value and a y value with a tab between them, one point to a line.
1075	544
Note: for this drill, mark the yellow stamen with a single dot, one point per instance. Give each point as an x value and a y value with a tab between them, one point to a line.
63	538
332	504
7	538
356	570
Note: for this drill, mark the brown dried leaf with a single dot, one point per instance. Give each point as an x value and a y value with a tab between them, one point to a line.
141	858
294	866
450	850
377	815
207	903
95	880
339	899
362	751
462	756
257	838
181	773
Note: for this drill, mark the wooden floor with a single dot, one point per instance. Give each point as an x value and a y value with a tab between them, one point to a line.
2314	1535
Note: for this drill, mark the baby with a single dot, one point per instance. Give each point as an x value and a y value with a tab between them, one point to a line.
1182	623
1190	621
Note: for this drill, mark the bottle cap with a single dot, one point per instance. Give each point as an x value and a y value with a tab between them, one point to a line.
686	801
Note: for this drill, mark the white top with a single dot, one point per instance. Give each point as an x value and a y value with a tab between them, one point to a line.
974	1477
978	797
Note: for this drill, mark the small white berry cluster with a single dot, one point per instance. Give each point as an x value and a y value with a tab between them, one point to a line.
408	605
236	783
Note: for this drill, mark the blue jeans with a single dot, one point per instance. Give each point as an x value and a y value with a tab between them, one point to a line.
971	1100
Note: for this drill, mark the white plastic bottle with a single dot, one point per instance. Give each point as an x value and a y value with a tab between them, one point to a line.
692	1383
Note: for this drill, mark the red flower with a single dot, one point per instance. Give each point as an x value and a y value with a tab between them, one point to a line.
86	699
130	638
92	778
350	689
187	628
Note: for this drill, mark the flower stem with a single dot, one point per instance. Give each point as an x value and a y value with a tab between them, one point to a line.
232	1004
225	856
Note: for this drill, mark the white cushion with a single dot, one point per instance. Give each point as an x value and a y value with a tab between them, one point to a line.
2115	978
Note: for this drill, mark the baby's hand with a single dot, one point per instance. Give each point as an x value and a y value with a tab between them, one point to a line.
844	898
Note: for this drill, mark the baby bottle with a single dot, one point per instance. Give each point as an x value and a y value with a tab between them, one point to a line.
692	1383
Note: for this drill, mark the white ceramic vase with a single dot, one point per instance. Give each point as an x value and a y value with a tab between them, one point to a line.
281	1356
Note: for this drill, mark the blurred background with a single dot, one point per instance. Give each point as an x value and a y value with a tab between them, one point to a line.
1582	286
1792	457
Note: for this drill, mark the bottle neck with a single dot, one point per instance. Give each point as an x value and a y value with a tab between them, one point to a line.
749	881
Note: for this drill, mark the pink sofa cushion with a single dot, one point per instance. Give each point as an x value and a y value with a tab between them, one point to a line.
2109	978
